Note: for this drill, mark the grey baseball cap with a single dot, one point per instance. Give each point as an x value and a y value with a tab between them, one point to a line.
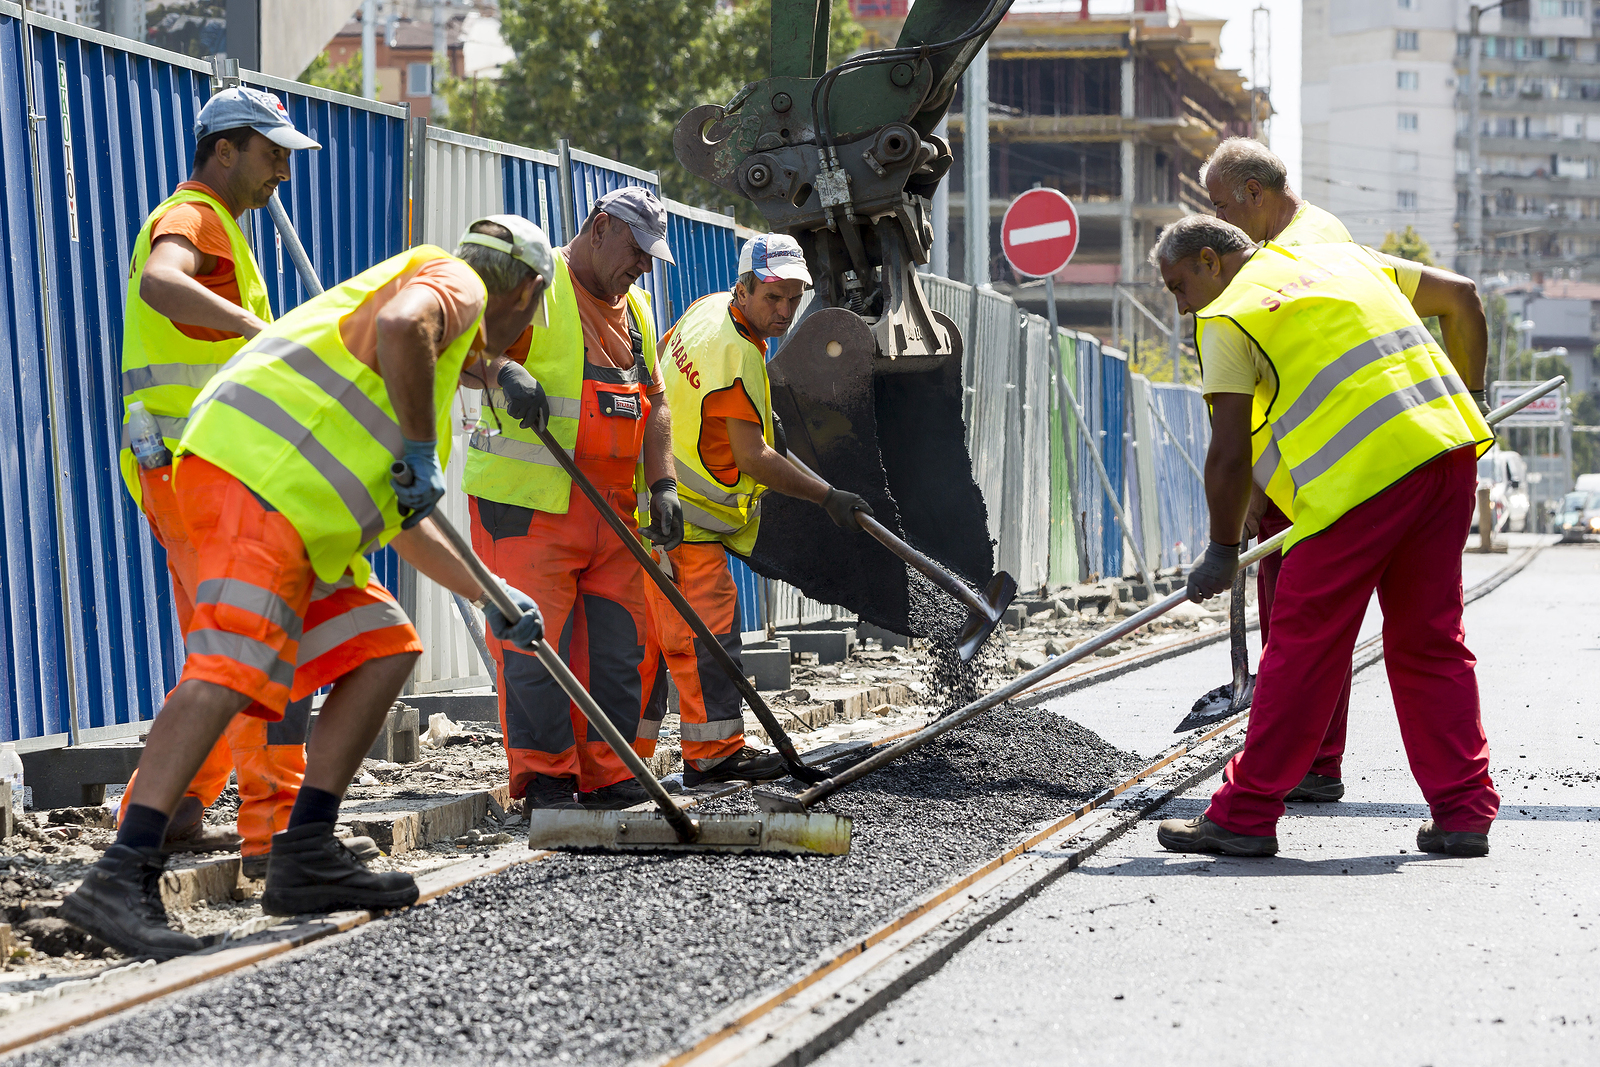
261	111
644	214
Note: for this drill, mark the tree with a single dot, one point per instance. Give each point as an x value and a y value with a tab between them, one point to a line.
614	77
345	79
1408	245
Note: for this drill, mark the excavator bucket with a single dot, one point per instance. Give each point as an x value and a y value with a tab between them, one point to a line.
868	380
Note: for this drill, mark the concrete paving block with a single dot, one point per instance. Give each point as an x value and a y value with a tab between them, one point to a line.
1016	617
830	646
478	706
78	775
207	882
399	826
889	638
769	662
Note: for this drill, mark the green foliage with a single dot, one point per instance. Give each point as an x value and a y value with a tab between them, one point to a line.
1408	245
614	77
345	79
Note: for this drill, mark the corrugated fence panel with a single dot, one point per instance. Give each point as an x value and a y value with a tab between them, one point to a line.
1091	496
1142	482
465	180
532	188
707	250
594	176
1114	446
1033	515
1063	509
990	387
1184	519
33	676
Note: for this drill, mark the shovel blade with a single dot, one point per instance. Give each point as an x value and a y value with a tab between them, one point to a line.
645	831
998	596
1223	702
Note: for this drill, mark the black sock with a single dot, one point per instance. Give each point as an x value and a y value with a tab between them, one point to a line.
142	827
313	805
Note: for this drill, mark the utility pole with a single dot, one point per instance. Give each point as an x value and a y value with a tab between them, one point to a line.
441	57
1258	85
939	257
1473	261
976	137
369	49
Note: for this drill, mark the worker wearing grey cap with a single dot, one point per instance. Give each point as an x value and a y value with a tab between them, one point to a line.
587	372
195	296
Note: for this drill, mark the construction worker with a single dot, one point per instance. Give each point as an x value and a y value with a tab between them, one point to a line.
1371	443
195	296
589	373
284	481
715	367
1248	185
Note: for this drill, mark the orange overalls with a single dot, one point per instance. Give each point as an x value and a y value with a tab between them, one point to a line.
590	591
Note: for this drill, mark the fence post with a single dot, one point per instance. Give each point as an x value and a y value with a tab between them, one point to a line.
569	203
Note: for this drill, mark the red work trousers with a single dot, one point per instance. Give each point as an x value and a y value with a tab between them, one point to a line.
1405	543
590	591
1330	756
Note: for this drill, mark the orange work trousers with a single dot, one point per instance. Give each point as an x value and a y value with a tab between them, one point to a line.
270	757
590	591
710	710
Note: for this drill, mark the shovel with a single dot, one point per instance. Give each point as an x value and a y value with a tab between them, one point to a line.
775	803
1226	701
670	827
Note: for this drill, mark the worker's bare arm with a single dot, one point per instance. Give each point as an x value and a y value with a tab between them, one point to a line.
169	287
758	459
1228	466
410	338
658	462
426	549
1454	299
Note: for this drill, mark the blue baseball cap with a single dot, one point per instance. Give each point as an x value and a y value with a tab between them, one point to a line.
261	111
774	257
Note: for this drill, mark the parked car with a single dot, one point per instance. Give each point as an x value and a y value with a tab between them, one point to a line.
1506	475
1579	518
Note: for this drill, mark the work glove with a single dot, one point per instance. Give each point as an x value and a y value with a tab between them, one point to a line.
525	399
526	631
666	516
421	486
1482	397
1213	574
842	507
780	440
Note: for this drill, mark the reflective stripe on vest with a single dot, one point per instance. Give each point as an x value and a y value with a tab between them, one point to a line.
1363	396
508	464
708	351
185	366
311	429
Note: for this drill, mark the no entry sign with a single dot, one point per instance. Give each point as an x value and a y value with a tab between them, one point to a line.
1040	232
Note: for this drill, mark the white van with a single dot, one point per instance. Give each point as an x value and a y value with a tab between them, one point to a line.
1506	475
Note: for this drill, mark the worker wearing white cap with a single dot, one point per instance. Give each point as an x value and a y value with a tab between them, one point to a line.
587	373
195	296
715	369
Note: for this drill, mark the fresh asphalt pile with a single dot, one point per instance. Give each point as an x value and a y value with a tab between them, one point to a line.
603	959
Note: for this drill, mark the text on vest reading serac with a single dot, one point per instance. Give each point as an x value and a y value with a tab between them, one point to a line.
1311	277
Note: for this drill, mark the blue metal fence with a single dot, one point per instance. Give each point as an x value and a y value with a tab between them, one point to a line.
1113	396
707	250
1184	519
533	190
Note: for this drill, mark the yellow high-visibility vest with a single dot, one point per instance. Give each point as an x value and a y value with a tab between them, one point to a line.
160	364
1363	397
310	428
507	463
709	352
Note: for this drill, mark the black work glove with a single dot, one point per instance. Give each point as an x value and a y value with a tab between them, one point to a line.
525	399
842	507
1482	397
666	516
780	440
1213	574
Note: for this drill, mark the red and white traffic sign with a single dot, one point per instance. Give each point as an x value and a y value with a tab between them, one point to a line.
1040	232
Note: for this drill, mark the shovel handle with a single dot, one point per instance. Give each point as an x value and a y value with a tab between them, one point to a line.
926	567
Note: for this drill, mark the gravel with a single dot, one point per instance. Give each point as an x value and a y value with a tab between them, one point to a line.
603	959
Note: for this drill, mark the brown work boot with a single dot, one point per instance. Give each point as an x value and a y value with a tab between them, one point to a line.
1451	842
1316	789
1203	835
187	831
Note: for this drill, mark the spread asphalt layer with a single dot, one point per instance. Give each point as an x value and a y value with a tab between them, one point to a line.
601	959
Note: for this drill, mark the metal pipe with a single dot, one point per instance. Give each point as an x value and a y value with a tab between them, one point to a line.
291	241
975	151
469	619
926	567
565	191
369	49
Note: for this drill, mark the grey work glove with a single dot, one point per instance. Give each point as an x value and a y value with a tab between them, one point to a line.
525	399
1214	573
1482	397
525	631
666	516
842	507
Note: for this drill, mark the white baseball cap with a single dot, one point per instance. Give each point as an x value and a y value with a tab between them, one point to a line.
528	245
774	257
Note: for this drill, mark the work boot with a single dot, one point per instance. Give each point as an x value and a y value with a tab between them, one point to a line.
254	867
1451	842
549	791
120	903
746	765
187	831
1203	835
313	871
615	797
1316	789
365	849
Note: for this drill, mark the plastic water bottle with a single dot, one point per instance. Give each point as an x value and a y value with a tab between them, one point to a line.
11	775
145	438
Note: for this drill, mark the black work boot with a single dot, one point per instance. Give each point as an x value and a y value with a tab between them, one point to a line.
120	903
746	765
1316	789
550	791
1203	835
1452	843
312	871
614	797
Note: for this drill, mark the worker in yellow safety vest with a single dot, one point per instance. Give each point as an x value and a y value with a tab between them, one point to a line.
1372	443
195	297
723	434
285	478
1249	186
